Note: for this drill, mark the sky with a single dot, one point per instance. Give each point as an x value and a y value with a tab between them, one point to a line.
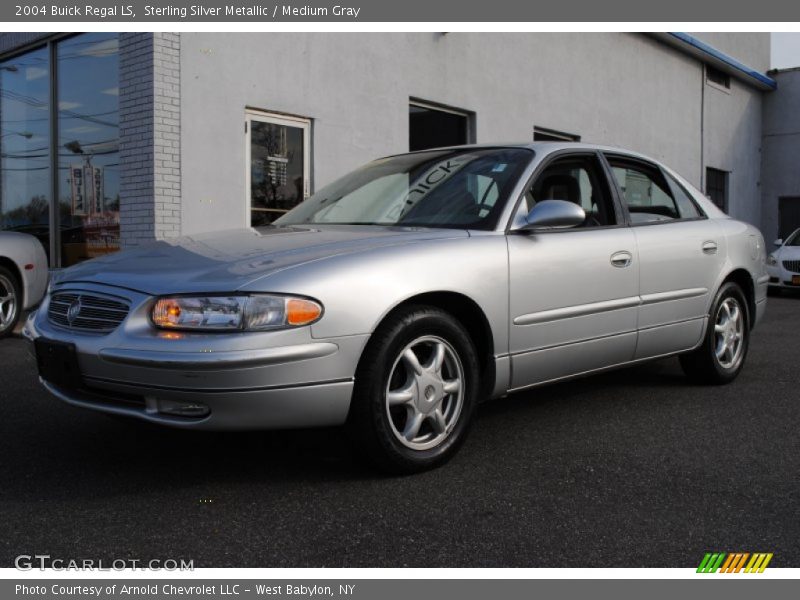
785	50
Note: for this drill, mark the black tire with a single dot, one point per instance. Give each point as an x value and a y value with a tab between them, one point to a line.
703	365
374	426
9	285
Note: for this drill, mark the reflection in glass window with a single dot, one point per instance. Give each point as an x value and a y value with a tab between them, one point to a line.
686	206
278	166
25	145
645	193
88	146
445	188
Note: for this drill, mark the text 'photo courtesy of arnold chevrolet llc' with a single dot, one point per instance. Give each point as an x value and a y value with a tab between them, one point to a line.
299	281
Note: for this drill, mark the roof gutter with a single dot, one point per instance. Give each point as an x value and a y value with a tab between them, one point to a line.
707	54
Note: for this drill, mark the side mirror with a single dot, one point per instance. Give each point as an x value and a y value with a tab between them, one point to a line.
778	242
554	214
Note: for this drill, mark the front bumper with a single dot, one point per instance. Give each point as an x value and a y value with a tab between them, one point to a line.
779	277
235	381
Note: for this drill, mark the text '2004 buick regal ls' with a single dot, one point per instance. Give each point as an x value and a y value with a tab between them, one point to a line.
398	297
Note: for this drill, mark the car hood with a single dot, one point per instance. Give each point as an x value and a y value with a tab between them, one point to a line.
789	253
226	261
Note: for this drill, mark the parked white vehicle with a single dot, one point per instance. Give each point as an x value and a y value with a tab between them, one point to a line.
783	265
23	277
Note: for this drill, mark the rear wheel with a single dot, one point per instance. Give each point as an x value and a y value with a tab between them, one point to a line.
416	391
721	357
10	302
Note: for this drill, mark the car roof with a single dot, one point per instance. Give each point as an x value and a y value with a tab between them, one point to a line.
541	148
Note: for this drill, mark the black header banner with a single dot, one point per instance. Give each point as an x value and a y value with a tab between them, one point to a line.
366	11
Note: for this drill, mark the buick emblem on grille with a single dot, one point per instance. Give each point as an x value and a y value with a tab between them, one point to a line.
74	310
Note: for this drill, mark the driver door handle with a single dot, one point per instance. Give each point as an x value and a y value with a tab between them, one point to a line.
621	259
710	247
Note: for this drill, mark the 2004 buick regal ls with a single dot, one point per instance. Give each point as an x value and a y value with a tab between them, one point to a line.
398	297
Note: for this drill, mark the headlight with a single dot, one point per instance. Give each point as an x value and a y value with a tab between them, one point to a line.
771	260
234	313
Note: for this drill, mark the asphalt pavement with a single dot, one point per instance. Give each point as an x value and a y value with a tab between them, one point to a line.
635	468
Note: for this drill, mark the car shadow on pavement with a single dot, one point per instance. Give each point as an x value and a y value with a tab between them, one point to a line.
90	454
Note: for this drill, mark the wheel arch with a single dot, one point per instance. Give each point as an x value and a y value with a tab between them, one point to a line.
469	314
15	271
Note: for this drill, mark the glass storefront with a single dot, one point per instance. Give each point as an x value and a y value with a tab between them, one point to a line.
25	174
84	157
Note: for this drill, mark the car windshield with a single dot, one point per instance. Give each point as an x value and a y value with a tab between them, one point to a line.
464	188
794	239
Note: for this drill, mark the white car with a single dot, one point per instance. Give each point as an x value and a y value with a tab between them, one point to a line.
23	277
783	265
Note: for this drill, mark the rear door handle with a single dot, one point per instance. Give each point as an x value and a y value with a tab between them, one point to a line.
710	247
621	259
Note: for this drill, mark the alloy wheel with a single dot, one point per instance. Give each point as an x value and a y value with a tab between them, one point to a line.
8	303
729	333
425	393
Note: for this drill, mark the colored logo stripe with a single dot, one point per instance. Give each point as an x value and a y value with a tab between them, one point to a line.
758	563
734	562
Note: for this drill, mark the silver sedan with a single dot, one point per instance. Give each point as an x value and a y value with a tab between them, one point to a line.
398	297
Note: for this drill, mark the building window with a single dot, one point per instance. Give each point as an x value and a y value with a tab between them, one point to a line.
63	191
717	77
543	134
434	126
278	159
717	187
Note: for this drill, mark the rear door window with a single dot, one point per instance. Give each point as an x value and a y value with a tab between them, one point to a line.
645	192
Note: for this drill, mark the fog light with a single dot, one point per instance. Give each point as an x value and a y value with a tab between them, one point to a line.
182	409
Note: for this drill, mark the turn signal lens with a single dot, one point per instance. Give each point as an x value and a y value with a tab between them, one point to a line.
166	313
301	312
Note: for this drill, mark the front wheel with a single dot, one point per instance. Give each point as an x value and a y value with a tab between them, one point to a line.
10	302
415	392
720	358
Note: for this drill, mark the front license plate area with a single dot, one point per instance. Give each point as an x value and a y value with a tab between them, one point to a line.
795	279
58	363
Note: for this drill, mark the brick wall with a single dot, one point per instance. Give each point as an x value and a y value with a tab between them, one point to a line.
149	106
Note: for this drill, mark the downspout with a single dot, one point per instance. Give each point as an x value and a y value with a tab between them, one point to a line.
702	127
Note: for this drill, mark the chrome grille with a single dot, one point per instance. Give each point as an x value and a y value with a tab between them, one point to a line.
86	311
792	265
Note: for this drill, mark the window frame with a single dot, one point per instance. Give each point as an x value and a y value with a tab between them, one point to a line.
274	118
708	69
556	135
665	175
620	216
469	117
726	178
